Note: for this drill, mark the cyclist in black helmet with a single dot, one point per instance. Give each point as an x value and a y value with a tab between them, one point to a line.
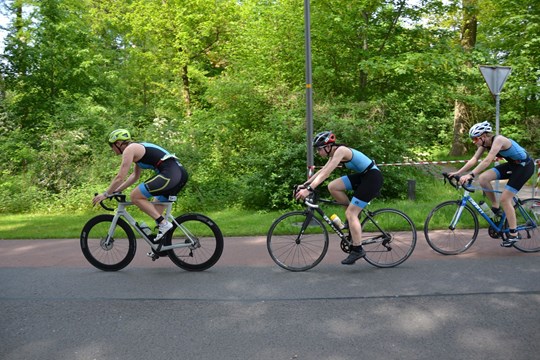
169	178
366	183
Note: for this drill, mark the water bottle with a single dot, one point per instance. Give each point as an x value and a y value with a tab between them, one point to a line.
337	221
487	209
144	227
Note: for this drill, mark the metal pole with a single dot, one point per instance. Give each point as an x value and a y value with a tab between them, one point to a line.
497	107
309	90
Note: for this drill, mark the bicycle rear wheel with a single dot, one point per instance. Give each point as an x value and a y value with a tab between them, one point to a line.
108	254
388	237
209	242
528	219
444	239
296	241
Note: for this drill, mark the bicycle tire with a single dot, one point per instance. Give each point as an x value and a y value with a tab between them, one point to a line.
399	233
293	250
118	253
209	237
527	212
448	241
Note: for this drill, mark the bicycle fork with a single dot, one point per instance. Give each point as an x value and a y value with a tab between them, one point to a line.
457	214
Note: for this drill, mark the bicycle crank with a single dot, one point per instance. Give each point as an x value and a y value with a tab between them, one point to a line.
345	246
494	234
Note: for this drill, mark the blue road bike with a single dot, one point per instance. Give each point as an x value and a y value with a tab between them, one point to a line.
452	226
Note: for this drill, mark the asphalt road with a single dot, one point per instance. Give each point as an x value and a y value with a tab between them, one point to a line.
484	304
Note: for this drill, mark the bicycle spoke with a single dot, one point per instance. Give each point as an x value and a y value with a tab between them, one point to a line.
296	247
528	221
446	239
396	242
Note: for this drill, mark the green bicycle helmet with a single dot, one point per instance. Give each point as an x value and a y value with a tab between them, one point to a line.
119	134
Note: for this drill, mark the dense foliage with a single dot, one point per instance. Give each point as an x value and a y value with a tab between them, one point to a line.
222	84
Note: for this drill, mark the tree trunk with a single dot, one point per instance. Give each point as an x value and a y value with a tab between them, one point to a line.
186	90
462	110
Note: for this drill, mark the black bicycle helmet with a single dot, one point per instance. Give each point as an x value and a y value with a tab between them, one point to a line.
324	138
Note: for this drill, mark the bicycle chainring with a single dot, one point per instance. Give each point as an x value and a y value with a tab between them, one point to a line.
493	233
345	246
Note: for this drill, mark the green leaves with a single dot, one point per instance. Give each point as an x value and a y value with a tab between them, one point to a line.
222	84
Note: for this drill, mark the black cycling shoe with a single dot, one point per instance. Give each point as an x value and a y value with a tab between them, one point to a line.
497	211
354	255
511	240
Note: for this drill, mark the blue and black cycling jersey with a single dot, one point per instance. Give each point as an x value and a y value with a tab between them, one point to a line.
514	153
170	176
154	157
359	162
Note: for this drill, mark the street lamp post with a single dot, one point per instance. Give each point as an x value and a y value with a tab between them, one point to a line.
309	89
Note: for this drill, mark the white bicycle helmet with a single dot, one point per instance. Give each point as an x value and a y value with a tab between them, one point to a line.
479	129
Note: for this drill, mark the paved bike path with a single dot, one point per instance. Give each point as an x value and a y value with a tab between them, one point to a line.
482	304
238	251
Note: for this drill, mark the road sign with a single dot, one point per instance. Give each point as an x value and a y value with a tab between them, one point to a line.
495	77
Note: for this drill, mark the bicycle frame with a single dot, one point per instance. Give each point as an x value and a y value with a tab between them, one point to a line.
499	228
121	212
315	208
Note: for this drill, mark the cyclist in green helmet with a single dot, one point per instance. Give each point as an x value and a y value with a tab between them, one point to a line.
169	178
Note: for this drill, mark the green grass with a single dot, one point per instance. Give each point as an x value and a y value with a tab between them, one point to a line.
233	222
65	226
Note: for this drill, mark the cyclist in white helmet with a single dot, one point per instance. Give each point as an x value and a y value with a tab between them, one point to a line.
518	168
366	182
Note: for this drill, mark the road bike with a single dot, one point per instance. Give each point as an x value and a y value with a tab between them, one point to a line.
194	243
452	226
298	240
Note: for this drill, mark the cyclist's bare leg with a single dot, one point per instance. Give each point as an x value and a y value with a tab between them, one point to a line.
485	180
355	228
146	206
337	190
508	207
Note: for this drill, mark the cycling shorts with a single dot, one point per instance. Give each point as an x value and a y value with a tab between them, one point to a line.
366	186
169	181
516	173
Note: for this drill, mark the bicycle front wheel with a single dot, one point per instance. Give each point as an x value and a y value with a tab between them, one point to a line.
528	220
445	238
208	240
388	237
297	241
108	254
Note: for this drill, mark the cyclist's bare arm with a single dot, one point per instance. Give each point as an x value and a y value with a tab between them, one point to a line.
341	154
472	162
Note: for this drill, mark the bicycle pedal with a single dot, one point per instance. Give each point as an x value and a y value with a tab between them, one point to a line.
152	255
